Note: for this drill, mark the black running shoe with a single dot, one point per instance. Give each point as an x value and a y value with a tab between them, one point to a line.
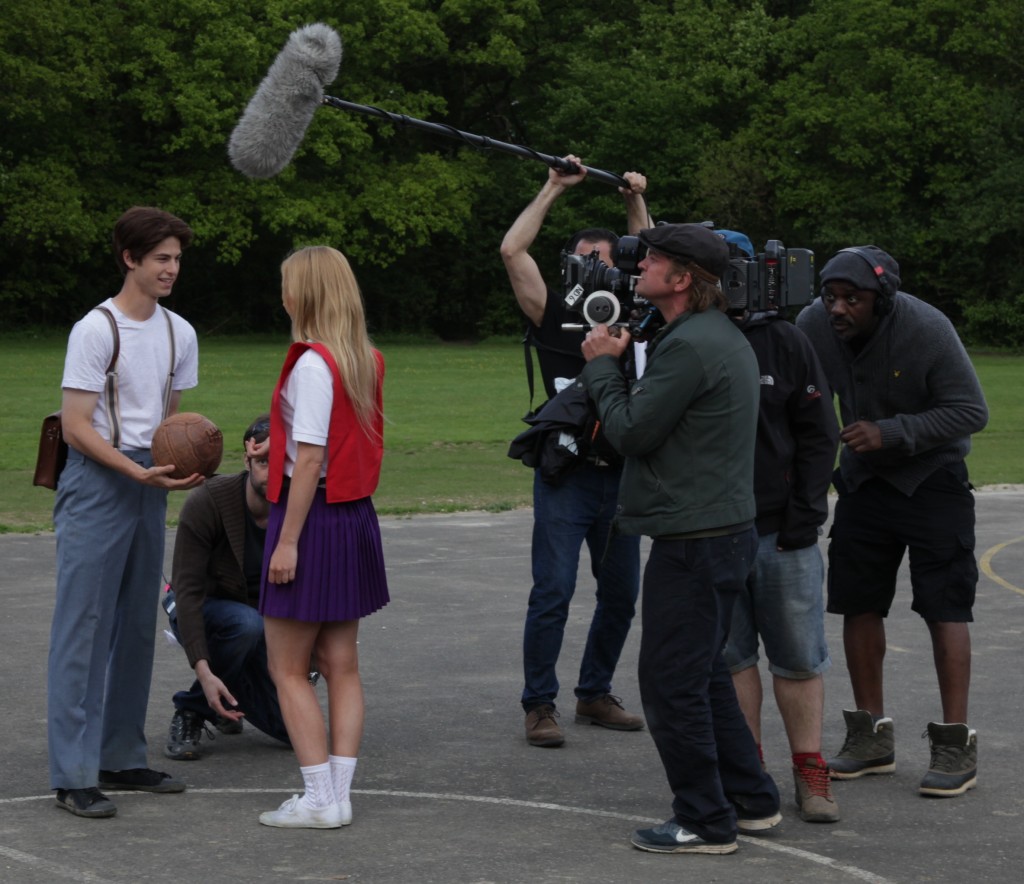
183	736
670	837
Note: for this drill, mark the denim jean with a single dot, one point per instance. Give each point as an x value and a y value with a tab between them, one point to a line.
783	602
706	748
238	657
580	509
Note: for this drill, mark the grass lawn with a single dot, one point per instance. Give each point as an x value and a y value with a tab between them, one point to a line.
451	411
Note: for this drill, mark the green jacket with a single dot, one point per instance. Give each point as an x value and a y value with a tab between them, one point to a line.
686	428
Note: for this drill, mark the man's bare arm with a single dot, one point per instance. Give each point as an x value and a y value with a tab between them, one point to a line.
523	272
638	217
76	411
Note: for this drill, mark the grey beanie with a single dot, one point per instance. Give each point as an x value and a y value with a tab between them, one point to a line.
862	270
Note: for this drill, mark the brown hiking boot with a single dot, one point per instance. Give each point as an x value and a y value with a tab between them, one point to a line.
542	729
814	792
607	712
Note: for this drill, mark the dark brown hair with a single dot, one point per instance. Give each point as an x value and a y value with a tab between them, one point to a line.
141	229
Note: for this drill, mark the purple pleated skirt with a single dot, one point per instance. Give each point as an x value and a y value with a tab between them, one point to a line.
340	572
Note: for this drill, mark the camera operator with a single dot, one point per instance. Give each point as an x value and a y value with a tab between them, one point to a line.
581	507
687	430
781	604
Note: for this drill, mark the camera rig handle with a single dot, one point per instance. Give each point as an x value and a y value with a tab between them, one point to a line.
642	326
481	142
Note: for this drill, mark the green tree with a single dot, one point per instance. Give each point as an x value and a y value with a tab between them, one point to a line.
899	123
123	103
820	122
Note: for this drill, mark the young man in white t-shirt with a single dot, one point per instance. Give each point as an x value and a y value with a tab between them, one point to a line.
109	518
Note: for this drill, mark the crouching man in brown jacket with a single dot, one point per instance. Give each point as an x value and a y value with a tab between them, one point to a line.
218	557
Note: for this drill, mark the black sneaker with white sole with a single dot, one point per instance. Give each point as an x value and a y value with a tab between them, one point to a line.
670	837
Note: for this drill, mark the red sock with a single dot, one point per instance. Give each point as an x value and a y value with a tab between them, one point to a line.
800	759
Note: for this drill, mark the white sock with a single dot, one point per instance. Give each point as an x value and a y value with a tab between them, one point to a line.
319	788
342	771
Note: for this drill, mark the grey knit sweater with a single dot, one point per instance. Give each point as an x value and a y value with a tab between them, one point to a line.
914	379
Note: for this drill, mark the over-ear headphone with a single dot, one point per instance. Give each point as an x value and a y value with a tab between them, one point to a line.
886	288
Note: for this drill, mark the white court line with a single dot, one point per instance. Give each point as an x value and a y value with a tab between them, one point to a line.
447	560
860	874
38	864
796	852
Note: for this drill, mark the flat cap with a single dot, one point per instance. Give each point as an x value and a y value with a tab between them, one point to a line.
689	243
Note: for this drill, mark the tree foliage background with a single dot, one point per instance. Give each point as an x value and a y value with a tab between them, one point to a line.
823	123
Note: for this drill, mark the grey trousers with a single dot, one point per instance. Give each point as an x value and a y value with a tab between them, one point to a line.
110	547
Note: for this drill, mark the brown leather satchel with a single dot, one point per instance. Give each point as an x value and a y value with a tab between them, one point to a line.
53	450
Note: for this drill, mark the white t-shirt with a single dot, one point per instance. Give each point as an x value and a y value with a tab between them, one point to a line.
142	367
640	357
306	401
639	361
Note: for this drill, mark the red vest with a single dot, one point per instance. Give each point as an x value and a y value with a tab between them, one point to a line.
353	457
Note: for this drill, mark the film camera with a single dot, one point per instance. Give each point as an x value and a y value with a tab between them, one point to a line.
603	295
778	277
598	294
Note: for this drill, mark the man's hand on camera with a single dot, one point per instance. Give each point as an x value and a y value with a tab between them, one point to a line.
604	341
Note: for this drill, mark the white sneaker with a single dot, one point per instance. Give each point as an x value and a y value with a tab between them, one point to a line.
296	814
346	812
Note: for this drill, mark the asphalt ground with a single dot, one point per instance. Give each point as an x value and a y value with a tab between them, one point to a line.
447	790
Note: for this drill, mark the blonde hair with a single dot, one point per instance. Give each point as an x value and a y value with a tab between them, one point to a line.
327	306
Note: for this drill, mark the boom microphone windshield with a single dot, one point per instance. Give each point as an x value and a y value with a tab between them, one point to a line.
274	123
276	119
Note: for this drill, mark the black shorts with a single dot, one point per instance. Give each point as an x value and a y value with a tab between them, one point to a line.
875	525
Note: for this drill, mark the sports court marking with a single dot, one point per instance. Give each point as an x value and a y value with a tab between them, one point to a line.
986	565
40	864
56	870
